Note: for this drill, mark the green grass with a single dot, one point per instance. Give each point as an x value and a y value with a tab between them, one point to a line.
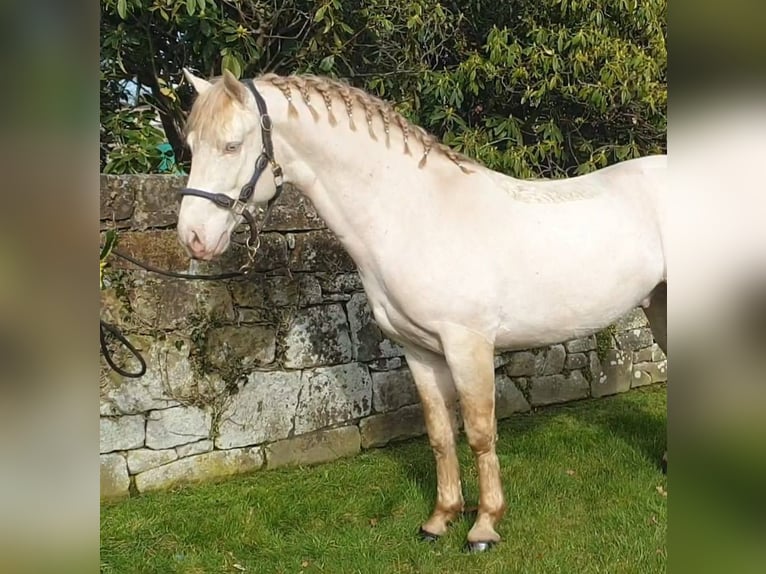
580	481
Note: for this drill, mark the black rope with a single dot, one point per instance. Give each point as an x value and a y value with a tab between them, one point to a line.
166	273
115	332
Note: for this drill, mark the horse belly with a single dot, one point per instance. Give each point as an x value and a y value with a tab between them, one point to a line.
563	309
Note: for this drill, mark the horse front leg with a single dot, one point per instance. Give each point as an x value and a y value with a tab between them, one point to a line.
470	358
438	397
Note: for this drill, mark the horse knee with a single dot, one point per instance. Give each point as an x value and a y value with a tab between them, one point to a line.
481	441
442	445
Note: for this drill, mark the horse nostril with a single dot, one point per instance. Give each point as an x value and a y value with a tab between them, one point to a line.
196	242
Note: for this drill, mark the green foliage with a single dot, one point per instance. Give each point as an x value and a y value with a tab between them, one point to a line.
531	88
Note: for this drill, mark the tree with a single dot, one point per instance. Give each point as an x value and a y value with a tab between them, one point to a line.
530	87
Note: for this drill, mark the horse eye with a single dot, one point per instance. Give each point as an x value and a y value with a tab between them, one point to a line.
231	147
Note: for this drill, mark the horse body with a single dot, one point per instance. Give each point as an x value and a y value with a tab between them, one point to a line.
521	274
456	260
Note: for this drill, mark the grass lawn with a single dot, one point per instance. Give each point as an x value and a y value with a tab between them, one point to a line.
581	482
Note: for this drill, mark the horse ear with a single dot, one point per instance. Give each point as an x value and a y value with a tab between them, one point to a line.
234	87
200	85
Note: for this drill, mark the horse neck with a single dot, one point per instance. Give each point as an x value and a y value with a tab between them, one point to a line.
357	179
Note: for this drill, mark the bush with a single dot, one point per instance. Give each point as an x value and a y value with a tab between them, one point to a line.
530	88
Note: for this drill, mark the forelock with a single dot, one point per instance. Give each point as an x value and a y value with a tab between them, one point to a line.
211	112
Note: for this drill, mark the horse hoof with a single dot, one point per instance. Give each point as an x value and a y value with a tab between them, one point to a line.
426	536
476	547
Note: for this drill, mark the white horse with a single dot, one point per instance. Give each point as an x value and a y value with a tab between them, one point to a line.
457	260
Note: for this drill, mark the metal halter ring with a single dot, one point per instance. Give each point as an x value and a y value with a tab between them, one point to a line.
252	251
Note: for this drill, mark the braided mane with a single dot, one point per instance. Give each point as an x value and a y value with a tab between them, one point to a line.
355	98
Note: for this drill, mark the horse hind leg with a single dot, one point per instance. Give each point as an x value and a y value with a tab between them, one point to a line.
438	397
656	312
470	359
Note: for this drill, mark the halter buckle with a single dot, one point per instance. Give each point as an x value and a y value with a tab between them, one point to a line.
276	171
239	207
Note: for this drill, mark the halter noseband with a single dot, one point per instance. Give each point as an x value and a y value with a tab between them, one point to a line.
239	205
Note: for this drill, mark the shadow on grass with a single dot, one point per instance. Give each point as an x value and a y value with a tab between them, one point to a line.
637	425
633	422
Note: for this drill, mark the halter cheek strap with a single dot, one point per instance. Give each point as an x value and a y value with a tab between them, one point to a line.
240	205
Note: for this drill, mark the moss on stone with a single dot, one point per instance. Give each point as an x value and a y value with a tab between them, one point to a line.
604	342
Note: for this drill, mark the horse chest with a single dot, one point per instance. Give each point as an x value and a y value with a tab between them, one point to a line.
394	322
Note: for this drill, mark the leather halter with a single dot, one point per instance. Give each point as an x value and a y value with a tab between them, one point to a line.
240	205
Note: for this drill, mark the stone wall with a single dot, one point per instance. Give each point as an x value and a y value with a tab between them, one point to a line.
287	367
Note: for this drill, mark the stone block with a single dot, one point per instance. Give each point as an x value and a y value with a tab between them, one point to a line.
367	339
249	316
118	200
393	389
121	433
657	372
173	304
576	361
640	379
309	291
157	247
271	255
319	251
293	212
594	370
156	200
508	398
339	283
314	448
522	383
582	345
191	449
265	292
521	364
333	395
318	336
617	374
643	355
207	466
379	430
551	389
114	308
115	481
169	374
651	354
502	359
263	410
242	347
144	459
634	339
633	319
550	361
176	426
